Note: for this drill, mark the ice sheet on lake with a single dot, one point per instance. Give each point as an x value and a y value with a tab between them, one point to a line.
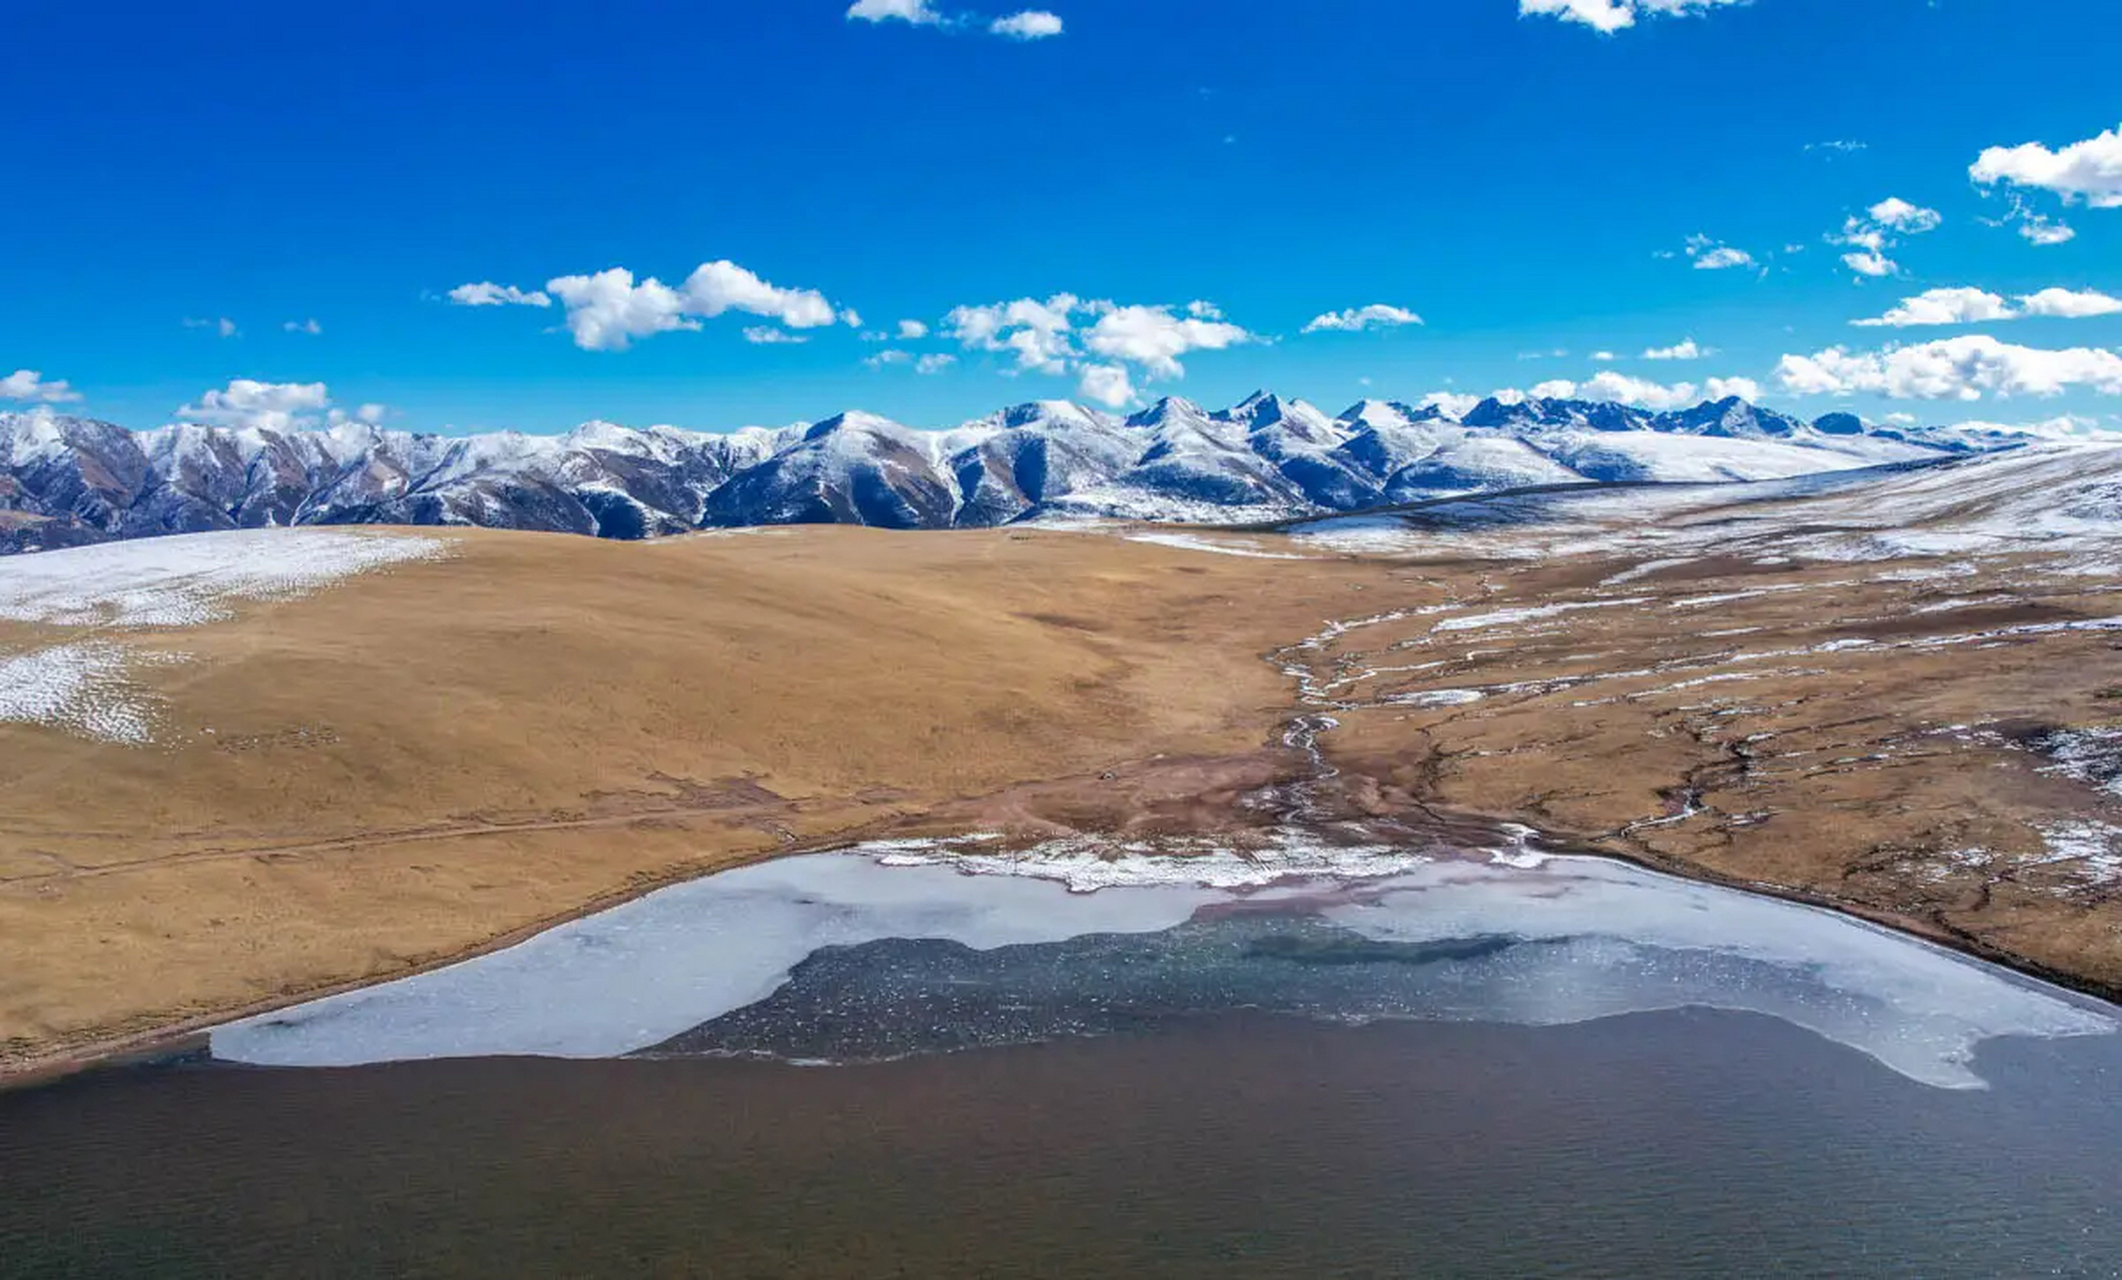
1621	940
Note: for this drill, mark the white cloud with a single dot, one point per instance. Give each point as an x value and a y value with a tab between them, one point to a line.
1871	263
608	310
1870	236
1682	350
270	406
1612	385
2067	424
1839	146
1942	306
1896	214
1037	333
934	363
1964	368
488	294
1107	384
1155	338
1605	357
1032	24
310	327
28	384
2044	232
2070	304
2090	170
851	318
223	326
1609	16
917	12
1709	255
1046	337
885	359
767	336
1725	388
912	330
1377	315
1978	306
716	287
1204	310
1452	404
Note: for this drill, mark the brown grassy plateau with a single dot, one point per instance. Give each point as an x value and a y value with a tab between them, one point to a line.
422	762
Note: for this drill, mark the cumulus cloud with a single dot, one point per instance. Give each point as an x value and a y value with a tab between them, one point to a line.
1155	338
1032	24
1067	334
310	327
1643	393
1978	306
2062	425
2070	304
2090	171
917	12
1609	16
1964	368
1710	255
912	330
269	406
1107	384
1870	236
28	384
764	335
1942	306
224	326
886	359
2045	232
1377	315
1685	349
609	310
488	294
1452	404
1896	214
935	363
1870	263
1612	385
1039	334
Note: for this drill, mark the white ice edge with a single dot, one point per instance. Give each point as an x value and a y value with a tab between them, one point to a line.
639	974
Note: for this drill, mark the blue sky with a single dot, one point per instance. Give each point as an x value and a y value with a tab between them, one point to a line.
1525	182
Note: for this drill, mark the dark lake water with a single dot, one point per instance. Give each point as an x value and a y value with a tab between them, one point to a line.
1682	1143
1526	1068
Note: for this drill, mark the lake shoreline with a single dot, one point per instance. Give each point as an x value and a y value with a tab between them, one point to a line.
177	1038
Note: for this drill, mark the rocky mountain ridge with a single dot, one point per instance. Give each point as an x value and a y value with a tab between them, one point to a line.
69	480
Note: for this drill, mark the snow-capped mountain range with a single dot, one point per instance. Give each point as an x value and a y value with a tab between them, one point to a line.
69	480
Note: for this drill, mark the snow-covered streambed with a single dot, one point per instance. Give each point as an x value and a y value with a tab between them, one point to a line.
1508	937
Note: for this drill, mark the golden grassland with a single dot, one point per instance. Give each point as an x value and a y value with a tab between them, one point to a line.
423	762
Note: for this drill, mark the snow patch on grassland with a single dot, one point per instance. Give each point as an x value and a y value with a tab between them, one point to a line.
83	688
1192	542
1502	617
190	580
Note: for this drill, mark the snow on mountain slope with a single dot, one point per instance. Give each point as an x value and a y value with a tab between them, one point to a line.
68	480
2059	498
